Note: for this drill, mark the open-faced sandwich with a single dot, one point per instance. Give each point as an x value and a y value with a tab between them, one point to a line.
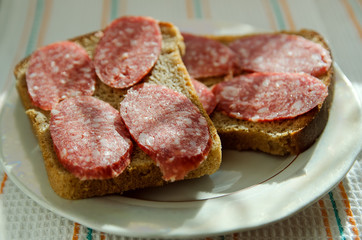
115	110
269	92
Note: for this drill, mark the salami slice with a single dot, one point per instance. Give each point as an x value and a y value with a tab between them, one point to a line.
58	71
206	96
127	51
168	127
206	57
281	53
90	138
269	96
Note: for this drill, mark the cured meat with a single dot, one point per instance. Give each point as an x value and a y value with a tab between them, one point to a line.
90	138
269	96
281	53
58	71
206	57
168	127
127	51
206	96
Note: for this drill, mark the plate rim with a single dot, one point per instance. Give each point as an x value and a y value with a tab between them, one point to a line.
10	85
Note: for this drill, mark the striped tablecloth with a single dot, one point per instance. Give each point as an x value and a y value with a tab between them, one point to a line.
26	25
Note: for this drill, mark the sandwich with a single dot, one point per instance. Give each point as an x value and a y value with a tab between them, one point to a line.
272	91
115	110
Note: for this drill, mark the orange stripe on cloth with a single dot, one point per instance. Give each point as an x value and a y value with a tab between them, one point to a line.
353	17
236	236
324	213
348	211
205	5
76	231
105	13
189	9
269	13
102	236
3	183
287	14
123	8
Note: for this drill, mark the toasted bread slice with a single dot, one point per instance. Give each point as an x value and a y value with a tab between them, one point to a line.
142	172
281	137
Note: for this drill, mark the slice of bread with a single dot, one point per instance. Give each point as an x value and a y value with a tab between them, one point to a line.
142	172
282	137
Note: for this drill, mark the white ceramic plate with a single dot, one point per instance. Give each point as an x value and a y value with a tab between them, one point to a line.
250	189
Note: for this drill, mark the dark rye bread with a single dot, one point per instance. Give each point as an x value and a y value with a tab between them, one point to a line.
280	137
142	172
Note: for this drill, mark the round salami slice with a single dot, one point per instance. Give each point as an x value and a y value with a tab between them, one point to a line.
58	71
168	127
269	96
127	51
206	57
281	53
206	96
90	138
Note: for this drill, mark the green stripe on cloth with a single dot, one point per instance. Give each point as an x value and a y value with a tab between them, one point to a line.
114	10
278	14
197	9
338	219
39	11
357	10
89	233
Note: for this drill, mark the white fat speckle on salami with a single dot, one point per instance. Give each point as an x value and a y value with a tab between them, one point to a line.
206	57
58	71
127	51
281	53
90	138
168	127
206	96
269	96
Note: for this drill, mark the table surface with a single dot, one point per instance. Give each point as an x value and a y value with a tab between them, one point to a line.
337	215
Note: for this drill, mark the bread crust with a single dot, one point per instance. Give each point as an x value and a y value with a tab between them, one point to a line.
281	137
142	172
